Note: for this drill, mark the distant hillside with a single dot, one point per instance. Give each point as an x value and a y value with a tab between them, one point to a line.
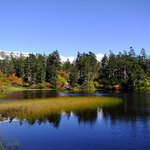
5	54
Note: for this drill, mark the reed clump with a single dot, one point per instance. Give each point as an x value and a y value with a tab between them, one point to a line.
38	108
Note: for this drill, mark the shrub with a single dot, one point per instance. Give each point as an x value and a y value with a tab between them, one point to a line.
47	84
59	84
14	80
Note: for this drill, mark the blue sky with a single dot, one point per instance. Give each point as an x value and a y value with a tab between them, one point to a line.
41	26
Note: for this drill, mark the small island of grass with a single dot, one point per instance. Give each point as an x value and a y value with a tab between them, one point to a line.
36	109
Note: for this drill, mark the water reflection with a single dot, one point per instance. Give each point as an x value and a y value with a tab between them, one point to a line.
121	112
124	125
86	116
135	106
33	94
83	116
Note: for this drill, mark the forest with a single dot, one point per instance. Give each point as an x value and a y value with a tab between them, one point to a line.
125	70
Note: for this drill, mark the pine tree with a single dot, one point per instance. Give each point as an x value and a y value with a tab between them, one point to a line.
41	69
52	68
31	69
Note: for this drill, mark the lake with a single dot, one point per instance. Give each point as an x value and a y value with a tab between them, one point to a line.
124	125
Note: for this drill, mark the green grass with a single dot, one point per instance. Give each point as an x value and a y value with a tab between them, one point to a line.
36	109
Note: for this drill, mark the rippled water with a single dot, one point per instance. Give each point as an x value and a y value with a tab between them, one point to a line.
125	126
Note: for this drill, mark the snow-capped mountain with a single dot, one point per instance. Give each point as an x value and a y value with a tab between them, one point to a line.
4	54
71	58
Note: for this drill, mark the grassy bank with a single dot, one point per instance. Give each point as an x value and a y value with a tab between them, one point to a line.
39	108
9	89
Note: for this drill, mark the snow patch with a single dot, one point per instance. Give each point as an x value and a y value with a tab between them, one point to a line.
99	56
4	54
65	58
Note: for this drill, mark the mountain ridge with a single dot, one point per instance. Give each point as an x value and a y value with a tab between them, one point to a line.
4	54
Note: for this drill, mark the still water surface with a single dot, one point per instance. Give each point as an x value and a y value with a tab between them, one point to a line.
125	126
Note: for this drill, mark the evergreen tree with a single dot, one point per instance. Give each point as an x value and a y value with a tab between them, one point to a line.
87	66
132	52
67	66
52	67
74	76
125	69
31	69
41	69
144	62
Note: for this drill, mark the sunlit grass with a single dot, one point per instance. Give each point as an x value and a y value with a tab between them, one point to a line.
37	109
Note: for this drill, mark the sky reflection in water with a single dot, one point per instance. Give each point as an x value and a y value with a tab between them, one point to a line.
123	126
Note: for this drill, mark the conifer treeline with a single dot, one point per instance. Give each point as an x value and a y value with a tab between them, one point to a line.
125	70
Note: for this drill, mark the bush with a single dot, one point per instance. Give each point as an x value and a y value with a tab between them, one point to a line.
14	80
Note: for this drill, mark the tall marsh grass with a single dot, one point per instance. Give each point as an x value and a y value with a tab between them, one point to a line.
36	109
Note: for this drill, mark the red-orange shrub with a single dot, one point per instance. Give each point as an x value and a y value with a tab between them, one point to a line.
63	74
116	86
47	84
59	84
15	80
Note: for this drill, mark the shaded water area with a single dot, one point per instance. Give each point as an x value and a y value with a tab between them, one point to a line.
124	125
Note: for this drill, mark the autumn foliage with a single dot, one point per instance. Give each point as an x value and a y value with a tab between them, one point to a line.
14	80
10	80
